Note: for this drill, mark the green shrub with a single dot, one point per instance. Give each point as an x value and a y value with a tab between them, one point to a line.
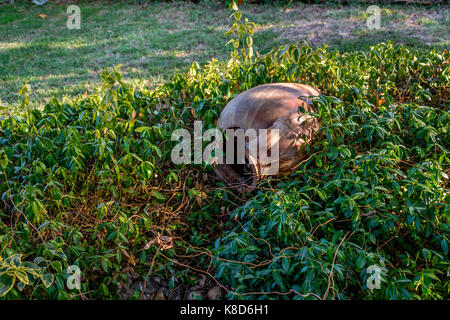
89	182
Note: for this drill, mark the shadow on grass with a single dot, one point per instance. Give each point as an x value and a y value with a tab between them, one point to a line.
154	41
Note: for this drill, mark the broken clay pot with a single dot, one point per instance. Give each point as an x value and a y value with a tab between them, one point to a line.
269	106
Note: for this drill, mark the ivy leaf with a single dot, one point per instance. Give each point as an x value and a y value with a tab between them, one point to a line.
48	279
279	280
6	283
158	195
141	129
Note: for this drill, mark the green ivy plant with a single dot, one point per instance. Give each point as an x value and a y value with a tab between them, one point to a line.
14	271
89	182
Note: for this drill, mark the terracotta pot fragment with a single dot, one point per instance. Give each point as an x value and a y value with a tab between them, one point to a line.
269	106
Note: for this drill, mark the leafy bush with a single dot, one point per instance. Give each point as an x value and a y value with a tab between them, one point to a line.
89	182
344	2
373	192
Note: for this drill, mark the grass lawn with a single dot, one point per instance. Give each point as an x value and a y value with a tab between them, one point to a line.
154	40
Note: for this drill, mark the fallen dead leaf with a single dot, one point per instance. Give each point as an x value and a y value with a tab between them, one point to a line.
193	113
214	293
164	242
